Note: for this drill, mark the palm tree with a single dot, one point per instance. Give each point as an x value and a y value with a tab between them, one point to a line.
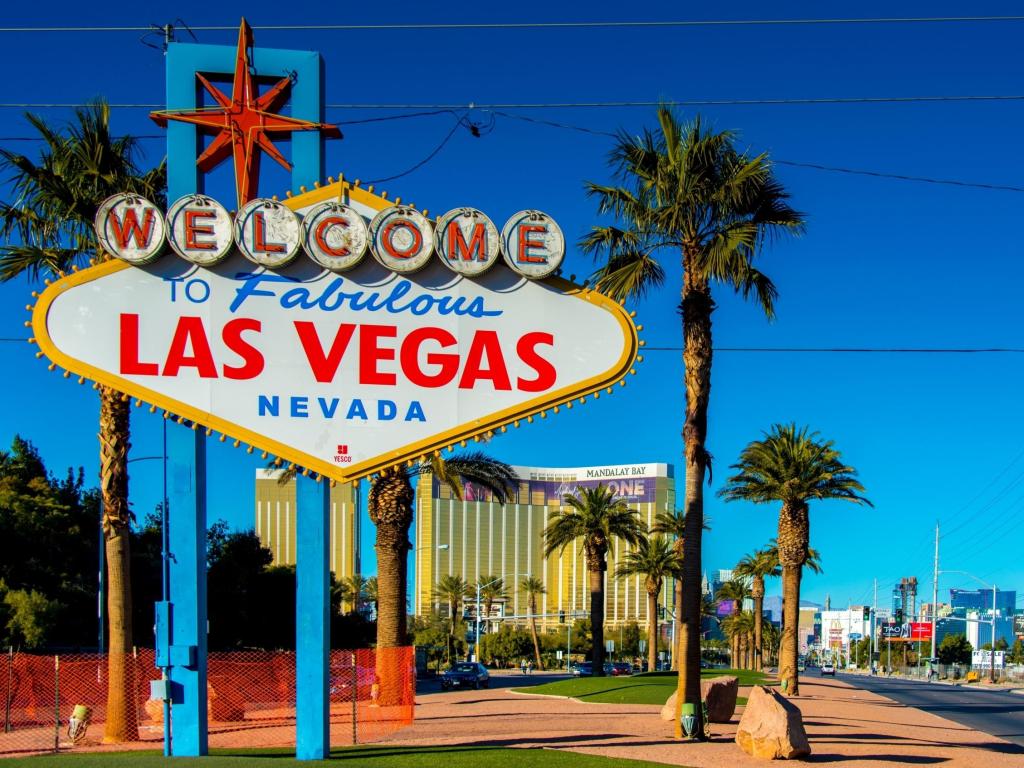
655	559
370	593
532	586
673	524
792	466
689	190
596	516
452	590
736	591
48	228
756	567
352	590
491	588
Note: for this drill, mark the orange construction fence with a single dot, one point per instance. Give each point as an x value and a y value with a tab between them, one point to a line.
56	703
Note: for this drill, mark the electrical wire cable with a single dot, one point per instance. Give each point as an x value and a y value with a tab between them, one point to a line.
681	23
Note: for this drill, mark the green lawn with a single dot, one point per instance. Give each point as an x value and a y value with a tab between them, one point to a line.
371	757
648	688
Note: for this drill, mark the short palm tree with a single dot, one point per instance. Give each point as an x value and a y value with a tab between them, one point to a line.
792	466
491	588
47	228
655	559
452	591
757	567
689	192
531	586
595	517
673	525
736	591
352	591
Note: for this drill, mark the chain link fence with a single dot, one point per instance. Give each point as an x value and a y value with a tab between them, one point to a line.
57	703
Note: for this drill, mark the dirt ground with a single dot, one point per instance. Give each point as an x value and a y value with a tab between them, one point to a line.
844	724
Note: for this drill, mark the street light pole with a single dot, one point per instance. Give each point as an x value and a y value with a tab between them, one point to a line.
476	638
992	666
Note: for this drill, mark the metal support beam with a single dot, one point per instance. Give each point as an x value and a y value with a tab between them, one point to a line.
186	656
312	625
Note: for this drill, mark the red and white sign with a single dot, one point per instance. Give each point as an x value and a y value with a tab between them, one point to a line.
920	630
342	374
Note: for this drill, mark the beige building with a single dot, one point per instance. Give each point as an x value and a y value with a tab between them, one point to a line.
478	537
275	522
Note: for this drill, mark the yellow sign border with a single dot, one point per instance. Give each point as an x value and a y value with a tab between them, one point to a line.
413	451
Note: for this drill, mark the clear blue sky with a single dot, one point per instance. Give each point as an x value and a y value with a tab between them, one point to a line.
884	263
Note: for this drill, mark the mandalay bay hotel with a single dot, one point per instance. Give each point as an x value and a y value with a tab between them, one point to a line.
478	537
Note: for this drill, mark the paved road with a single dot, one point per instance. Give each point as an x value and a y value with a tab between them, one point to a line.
995	713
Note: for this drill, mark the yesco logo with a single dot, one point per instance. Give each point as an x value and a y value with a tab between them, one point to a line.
201	230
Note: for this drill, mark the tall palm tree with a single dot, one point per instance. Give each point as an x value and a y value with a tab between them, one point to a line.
596	516
48	228
673	525
491	588
452	590
736	591
655	559
756	567
792	466
688	191
532	586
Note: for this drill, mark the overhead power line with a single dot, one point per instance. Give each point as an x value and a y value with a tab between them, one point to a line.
861	350
811	101
682	23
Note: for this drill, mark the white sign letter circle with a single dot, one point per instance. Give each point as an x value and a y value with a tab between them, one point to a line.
403	239
467	241
533	244
131	228
267	233
334	236
200	230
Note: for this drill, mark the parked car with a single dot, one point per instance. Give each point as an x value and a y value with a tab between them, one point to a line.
341	682
465	674
828	668
620	668
583	669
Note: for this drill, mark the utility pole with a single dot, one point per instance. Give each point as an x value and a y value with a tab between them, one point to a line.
935	594
874	614
992	671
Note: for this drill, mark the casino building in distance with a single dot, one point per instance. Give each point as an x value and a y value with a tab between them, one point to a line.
275	522
479	537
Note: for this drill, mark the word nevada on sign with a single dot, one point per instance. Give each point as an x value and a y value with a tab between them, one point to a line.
341	372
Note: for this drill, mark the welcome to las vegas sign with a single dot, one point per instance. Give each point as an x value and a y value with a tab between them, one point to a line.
303	329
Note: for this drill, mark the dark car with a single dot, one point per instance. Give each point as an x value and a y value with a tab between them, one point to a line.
465	674
620	668
583	669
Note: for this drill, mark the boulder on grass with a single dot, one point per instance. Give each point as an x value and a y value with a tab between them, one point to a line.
772	727
720	694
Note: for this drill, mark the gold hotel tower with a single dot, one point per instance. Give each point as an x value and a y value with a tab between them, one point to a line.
485	538
275	522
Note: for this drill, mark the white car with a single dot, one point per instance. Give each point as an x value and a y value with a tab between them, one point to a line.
828	668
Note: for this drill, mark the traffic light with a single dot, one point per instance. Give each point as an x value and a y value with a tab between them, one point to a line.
561	617
661	613
867	613
899	615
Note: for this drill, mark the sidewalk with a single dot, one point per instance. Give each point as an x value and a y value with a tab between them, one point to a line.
844	724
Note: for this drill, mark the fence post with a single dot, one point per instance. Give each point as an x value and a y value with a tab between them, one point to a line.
355	695
56	703
7	698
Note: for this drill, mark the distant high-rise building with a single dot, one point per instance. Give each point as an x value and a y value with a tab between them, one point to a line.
277	530
981	600
476	537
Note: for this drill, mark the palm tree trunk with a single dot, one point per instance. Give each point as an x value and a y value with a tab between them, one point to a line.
596	573
652	631
122	716
533	632
677	608
790	620
758	617
697	306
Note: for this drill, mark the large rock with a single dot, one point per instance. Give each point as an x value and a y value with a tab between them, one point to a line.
772	727
719	693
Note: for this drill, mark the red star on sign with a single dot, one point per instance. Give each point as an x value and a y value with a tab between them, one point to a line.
241	123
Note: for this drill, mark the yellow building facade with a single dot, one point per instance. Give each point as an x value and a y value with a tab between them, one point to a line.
275	522
478	537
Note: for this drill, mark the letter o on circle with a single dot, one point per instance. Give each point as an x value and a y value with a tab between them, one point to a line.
402	239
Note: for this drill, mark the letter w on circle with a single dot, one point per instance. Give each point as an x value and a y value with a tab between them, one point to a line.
324	365
129	228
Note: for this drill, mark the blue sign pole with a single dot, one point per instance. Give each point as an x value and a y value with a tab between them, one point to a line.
186	656
312	620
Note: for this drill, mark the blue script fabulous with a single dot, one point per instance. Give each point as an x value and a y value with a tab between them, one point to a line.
331	297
